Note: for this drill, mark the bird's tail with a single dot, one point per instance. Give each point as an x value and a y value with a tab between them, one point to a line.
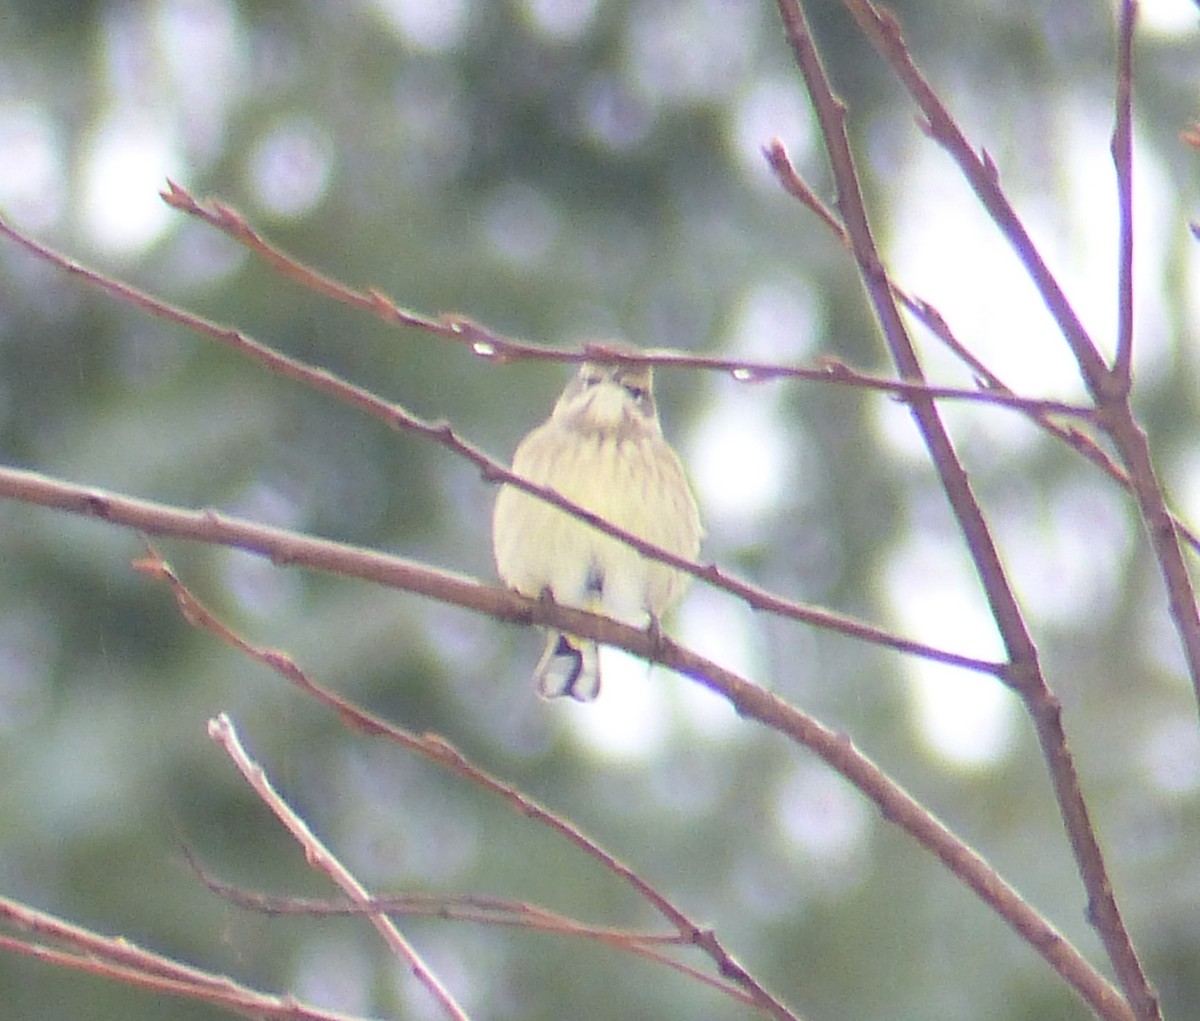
569	666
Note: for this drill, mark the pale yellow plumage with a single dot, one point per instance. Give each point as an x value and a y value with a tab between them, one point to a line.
603	448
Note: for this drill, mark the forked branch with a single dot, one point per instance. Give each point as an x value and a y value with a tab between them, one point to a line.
882	29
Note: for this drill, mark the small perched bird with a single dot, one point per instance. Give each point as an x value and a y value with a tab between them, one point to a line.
603	448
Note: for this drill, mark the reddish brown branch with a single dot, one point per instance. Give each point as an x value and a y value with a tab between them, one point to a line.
882	29
1109	389
989	381
1111	395
873	270
831	116
493	471
1122	154
284	547
438	750
895	804
231	223
490	911
488	344
317	855
118	959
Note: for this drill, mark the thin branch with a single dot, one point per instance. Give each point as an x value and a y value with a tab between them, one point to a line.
441	433
439	751
284	547
99	504
831	115
222	730
990	382
1110	390
910	390
836	750
790	180
231	223
913	388
118	959
1122	154
1022	652
490	911
482	341
483	910
883	31
795	185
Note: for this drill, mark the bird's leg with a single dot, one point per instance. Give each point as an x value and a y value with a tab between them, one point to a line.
655	635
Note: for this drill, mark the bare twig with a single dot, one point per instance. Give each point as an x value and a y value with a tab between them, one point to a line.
1023	656
441	752
1122	154
831	115
222	730
231	223
354	561
439	432
896	804
116	958
882	29
990	383
209	526
482	341
491	911
1109	390
912	388
915	391
884	32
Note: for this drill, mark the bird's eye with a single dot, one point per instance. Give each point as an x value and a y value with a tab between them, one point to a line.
638	393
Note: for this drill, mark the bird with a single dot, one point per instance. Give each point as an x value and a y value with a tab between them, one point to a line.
603	448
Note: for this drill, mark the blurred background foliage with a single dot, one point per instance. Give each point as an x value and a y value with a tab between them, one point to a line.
560	170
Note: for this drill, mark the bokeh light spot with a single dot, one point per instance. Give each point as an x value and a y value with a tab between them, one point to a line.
560	20
629	721
434	27
32	173
521	224
125	163
290	167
